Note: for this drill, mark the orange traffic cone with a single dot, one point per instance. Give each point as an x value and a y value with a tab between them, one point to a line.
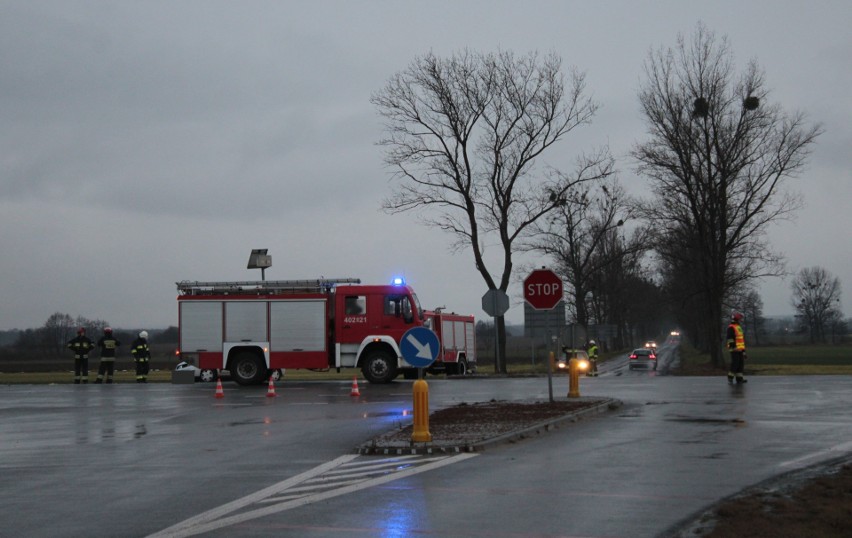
355	391
219	392
271	392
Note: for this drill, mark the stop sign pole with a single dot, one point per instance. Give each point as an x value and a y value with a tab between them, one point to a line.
495	303
543	291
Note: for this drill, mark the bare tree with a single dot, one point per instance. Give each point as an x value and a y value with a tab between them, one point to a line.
717	156
816	298
463	137
56	332
582	240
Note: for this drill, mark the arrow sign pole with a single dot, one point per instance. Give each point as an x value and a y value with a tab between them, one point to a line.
420	347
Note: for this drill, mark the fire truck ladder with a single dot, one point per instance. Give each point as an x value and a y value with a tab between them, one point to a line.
261	287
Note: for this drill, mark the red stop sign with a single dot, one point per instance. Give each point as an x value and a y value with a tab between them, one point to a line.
543	289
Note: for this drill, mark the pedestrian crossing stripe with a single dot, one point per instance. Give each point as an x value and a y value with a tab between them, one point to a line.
340	476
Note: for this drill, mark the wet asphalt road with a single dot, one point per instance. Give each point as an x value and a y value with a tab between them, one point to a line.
171	460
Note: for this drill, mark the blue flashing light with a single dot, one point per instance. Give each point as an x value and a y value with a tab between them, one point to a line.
398	281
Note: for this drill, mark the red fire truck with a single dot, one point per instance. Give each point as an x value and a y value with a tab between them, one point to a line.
257	329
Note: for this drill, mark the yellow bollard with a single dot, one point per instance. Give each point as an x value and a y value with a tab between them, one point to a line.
573	378
421	413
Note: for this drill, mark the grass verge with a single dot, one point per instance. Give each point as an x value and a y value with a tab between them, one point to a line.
155	376
774	360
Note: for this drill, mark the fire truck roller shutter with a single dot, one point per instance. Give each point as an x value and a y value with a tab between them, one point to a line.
298	324
460	341
200	326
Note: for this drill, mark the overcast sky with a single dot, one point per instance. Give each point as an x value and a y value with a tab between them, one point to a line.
143	143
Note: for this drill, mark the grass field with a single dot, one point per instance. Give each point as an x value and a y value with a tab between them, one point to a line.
798	355
778	360
156	376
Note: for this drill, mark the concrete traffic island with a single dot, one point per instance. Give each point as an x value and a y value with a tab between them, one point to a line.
472	427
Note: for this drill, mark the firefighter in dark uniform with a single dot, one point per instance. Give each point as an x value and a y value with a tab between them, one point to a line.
141	355
736	345
81	345
593	359
108	345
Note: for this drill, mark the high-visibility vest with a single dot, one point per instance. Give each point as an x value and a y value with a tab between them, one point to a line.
739	337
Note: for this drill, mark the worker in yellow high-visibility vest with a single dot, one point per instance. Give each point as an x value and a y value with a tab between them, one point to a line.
736	345
593	359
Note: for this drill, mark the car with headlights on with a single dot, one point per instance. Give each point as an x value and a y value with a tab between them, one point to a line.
567	354
643	357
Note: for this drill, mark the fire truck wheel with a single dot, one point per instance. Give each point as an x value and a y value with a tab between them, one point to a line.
379	367
247	369
207	376
461	367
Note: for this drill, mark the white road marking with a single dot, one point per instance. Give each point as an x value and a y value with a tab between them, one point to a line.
332	479
836	449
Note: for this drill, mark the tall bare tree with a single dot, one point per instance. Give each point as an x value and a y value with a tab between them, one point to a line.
816	298
717	157
463	135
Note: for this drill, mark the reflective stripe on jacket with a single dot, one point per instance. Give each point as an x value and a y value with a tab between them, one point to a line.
108	346
139	349
736	337
80	346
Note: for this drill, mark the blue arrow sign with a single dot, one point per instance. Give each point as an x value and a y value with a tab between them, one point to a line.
419	347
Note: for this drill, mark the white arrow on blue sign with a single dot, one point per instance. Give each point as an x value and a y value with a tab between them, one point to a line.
419	347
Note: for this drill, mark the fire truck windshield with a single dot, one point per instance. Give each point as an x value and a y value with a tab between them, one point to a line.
417	307
400	306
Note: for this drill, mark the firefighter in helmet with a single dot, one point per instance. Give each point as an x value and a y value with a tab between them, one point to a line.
80	346
142	356
593	358
736	345
108	345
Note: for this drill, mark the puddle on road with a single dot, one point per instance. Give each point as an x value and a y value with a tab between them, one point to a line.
405	413
376	414
706	420
252	422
